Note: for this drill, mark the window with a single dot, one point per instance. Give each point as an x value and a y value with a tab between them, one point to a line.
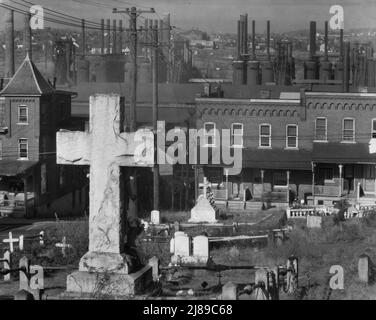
23	148
321	129
209	128
291	136
373	128
237	134
22	114
265	135
348	131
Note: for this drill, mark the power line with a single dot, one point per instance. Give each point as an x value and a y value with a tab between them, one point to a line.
58	14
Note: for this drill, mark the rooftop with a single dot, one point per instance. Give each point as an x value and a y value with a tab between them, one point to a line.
27	81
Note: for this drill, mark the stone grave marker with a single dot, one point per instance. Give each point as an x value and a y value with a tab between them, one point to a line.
201	249
155	217
154	263
182	244
314	221
63	245
7	264
35	284
106	149
202	212
261	276
229	291
364	268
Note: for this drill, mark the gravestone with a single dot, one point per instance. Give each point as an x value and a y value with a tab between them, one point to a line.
364	268
7	264
105	268
155	217
229	291
314	221
261	277
202	212
182	244
154	263
201	249
35	283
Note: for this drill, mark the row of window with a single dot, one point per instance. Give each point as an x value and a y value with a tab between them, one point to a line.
348	129
265	133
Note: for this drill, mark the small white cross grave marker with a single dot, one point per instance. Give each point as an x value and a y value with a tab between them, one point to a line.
63	245
11	240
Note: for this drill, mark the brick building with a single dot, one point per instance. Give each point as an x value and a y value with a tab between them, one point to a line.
314	144
31	183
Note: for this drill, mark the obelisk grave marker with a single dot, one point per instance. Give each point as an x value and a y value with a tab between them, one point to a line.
105	148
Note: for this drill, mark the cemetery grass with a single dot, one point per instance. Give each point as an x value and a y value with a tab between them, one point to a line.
317	250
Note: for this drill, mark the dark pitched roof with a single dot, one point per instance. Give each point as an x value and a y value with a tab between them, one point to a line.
27	81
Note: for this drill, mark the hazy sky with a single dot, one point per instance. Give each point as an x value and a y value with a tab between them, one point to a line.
221	15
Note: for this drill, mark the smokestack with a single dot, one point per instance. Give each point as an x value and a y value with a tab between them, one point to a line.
121	36
241	36
268	39
341	44
102	36
27	44
238	40
83	38
114	44
253	40
245	34
326	41
312	39
9	43
346	67
160	33
146	32
108	36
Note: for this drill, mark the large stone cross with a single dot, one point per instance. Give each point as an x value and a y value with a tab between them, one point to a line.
105	148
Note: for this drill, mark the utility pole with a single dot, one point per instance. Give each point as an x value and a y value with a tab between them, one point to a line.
133	14
155	117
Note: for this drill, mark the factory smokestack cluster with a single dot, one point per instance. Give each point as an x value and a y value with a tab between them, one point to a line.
247	69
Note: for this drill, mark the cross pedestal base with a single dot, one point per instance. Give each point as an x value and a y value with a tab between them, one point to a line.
116	285
105	262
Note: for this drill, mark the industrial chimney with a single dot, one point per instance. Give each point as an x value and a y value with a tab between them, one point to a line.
27	44
325	65
253	66
267	73
9	44
310	67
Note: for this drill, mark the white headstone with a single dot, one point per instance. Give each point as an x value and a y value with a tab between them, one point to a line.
364	268
202	212
182	245
201	247
155	217
229	291
314	221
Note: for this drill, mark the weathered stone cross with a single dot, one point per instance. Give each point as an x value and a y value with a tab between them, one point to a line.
105	148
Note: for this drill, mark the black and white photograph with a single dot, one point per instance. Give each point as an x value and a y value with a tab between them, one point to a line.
201	151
